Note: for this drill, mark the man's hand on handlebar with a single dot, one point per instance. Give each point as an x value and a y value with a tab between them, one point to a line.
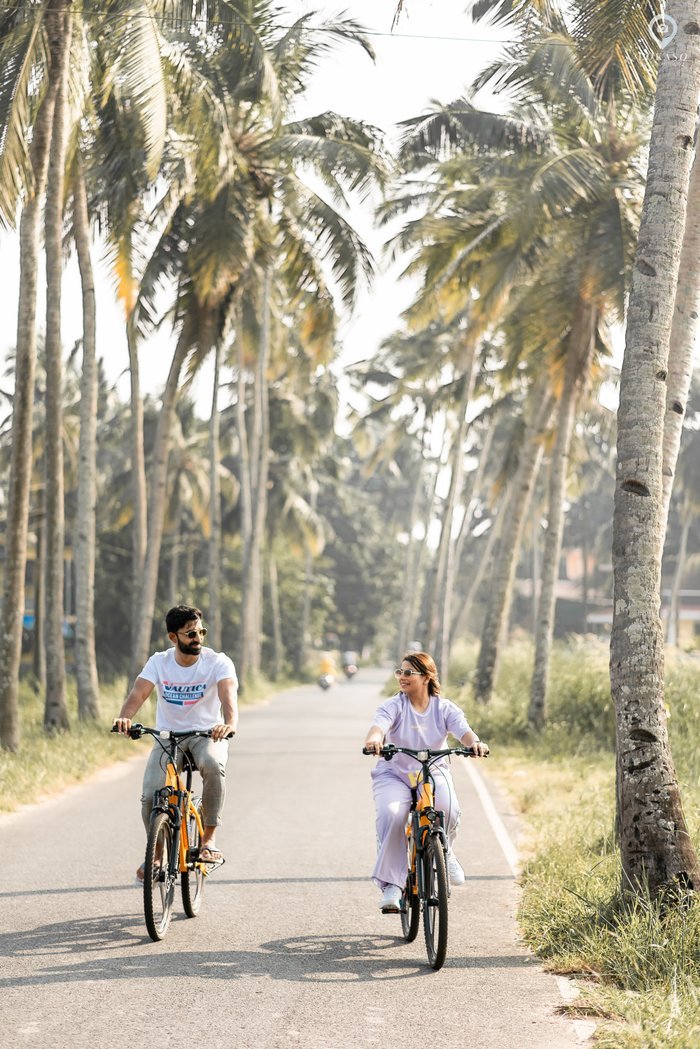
121	725
222	732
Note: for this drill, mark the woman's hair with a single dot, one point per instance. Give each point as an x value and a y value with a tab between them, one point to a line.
426	665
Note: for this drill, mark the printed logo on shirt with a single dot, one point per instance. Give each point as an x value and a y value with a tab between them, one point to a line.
183	695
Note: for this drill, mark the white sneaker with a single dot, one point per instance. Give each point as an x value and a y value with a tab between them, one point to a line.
391	900
454	869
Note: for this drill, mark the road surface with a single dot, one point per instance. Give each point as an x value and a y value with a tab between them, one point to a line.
290	950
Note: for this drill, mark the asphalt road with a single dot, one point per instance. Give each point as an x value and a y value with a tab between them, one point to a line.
290	950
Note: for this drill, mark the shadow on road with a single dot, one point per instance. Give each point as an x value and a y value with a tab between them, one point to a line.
306	959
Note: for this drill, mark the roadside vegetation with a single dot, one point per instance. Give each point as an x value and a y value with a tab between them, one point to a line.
639	963
48	764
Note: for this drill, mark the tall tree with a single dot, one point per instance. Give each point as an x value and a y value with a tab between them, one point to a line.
84	544
55	707
656	849
26	52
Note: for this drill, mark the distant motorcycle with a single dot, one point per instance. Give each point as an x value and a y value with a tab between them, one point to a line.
325	681
350	670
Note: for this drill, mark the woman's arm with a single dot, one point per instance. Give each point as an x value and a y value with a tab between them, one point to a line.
470	739
374	739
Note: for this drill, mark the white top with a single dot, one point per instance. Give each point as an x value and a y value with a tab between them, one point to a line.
188	696
405	727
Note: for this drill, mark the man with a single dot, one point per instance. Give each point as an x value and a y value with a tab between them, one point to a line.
197	690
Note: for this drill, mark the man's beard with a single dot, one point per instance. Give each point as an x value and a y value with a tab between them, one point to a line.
187	649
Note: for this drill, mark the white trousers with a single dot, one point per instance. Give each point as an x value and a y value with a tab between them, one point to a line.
392	801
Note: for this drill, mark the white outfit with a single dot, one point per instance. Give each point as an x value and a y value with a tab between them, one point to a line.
391	780
188	700
187	696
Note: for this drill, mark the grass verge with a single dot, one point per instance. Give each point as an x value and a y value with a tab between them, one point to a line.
641	966
47	764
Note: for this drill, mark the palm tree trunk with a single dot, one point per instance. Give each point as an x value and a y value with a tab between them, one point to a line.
308	581
445	569
656	850
579	353
139	494
505	562
86	663
17	520
686	316
412	559
672	622
246	516
145	609
38	653
262	446
176	549
215	509
55	708
422	601
485	561
455	555
277	643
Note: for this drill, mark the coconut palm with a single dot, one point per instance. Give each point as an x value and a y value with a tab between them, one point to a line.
24	49
210	243
655	846
517	191
32	40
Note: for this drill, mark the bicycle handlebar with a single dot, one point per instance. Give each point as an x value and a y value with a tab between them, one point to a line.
389	750
136	731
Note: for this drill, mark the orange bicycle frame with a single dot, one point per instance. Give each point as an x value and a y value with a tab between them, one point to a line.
176	789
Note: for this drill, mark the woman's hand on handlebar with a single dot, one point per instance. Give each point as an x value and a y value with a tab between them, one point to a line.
372	746
480	749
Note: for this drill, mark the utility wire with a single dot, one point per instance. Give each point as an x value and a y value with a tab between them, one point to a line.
211	23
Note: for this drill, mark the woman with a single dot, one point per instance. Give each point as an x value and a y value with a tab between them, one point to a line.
417	716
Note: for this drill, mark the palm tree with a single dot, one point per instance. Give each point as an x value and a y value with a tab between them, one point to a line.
22	51
84	547
209	242
55	709
656	849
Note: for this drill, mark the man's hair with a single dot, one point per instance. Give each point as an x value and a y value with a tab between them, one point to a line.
176	618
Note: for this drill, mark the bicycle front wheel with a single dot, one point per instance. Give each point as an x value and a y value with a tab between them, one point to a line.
158	879
435	903
192	881
410	915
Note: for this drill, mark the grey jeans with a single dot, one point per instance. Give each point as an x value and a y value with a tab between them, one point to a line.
211	757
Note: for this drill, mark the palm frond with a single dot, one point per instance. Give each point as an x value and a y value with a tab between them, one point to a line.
24	60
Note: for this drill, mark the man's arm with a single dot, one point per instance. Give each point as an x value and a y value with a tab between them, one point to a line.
133	702
228	697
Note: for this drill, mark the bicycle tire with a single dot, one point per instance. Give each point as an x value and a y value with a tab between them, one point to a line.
158	882
192	880
410	915
435	903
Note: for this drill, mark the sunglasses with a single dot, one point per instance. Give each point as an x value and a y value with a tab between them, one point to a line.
195	633
408	673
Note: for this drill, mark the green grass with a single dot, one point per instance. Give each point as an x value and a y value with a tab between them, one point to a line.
641	965
46	765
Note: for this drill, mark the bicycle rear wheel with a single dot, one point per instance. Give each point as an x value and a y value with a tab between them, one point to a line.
435	903
410	915
192	881
158	881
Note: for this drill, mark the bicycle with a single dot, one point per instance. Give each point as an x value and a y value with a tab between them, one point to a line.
174	837
427	888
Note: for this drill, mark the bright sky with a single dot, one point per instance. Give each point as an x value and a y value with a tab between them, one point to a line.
432	53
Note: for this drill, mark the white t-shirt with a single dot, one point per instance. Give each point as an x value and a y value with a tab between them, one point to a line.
188	696
405	727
